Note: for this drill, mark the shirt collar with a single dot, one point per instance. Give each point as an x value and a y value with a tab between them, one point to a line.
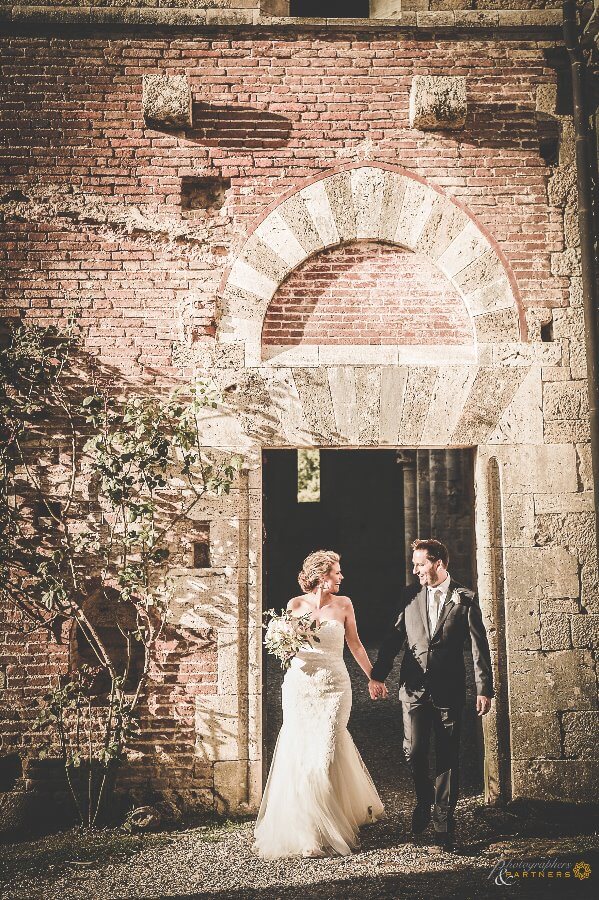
443	587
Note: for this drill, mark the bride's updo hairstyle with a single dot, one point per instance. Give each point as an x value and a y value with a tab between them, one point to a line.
316	567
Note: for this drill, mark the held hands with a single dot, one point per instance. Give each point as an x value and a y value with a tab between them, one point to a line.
483	705
377	690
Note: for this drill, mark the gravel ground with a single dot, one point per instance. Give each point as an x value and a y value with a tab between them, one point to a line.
214	859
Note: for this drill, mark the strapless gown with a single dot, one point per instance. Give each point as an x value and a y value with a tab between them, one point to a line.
319	791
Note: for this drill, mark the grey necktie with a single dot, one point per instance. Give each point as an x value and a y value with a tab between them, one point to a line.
435	606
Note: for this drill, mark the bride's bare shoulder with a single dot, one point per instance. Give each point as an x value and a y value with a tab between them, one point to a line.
296	603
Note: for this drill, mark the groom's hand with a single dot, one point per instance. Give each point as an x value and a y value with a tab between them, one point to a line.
377	690
483	705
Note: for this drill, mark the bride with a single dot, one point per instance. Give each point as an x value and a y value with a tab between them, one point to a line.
318	791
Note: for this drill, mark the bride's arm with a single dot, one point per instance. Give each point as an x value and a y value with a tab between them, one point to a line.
353	640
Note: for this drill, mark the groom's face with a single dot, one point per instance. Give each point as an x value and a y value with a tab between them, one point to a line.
427	570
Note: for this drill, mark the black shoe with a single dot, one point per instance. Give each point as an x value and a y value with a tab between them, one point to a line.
445	839
421	817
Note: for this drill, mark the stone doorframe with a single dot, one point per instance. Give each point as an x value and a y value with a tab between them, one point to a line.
489	398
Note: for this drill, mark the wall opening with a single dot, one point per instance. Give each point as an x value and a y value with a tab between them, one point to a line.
330	9
373	503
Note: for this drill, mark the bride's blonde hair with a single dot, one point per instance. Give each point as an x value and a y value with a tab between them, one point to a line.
315	567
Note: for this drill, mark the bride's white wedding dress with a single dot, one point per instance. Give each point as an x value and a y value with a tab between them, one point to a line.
318	791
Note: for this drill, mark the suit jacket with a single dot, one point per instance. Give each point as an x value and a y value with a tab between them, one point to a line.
434	664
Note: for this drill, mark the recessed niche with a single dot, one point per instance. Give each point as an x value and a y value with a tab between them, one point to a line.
201	545
547	331
203	195
549	135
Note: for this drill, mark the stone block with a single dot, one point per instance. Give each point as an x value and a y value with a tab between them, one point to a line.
315	396
499	325
549	572
555	632
342	385
232	786
286	401
244	276
523	625
518	520
584	465
418	202
217	727
205	601
166	100
367	184
438	102
546	469
368	395
568	781
393	383
417	396
536	734
449	396
263	256
572	530
560	680
565	431
581	502
339	194
585	631
228	660
317	203
492	390
565	400
393	194
463	250
522	420
295	213
581	734
385	9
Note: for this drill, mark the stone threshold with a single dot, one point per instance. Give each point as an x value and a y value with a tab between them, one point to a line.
533	21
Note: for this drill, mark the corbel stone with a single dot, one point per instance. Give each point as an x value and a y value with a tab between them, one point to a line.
438	102
166	100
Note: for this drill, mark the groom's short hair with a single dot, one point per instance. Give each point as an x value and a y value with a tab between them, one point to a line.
434	549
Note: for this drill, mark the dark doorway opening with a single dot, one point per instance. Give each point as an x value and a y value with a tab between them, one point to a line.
368	505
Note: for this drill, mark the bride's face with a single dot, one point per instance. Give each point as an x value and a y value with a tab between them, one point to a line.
332	581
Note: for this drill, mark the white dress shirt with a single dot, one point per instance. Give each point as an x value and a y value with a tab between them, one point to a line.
436	597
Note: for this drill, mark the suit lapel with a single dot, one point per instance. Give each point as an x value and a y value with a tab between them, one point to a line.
421	602
447	606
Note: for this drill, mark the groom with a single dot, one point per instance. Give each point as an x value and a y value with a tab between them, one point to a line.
434	622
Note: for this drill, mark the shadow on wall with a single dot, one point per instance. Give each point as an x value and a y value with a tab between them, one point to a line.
500	125
237	127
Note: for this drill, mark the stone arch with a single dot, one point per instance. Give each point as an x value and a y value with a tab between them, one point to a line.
370	202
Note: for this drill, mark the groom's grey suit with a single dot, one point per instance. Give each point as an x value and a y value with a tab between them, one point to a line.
433	686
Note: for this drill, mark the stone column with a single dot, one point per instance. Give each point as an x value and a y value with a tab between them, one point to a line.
407	458
423	493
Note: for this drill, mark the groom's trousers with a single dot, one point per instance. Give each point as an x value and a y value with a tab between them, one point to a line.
420	717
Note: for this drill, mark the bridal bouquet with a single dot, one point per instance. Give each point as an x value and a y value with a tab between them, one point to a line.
287	634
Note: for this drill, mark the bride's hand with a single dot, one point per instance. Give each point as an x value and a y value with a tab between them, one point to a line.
377	690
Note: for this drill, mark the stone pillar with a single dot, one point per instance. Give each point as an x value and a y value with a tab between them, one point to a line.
423	493
410	501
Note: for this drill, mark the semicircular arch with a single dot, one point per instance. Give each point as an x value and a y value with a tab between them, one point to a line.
374	203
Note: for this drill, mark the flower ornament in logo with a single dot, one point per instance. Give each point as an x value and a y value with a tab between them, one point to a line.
582	870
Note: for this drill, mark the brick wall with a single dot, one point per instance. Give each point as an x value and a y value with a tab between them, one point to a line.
92	196
91	199
366	293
